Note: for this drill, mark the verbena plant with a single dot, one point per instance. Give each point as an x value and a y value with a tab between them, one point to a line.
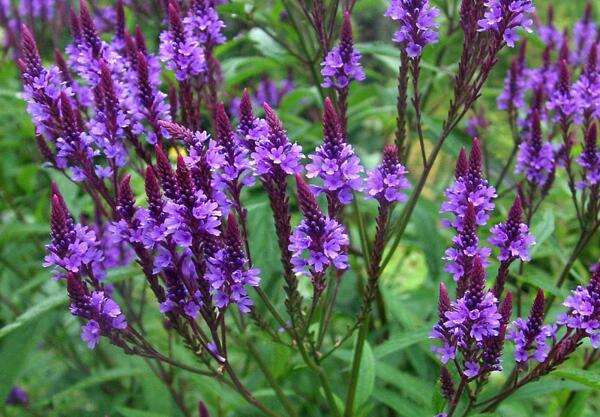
106	120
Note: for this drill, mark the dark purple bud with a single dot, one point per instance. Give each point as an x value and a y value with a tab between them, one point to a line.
185	183
536	316
587	15
563	53
594	285
331	124
536	131
444	302
462	165
65	74
69	123
77	290
515	214
44	149
177	131
521	56
446	384
592	64
246	114
126	201
232	234
346	41
308	203
591	140
175	22
140	41
144	80
88	28
277	135
564	81
166	174
120	26
475	159
29	52
153	195
202	410
75	25
506	308
173	102
61	225
550	15
223	127
476	279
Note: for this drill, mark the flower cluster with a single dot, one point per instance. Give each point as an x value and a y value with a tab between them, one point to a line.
274	154
179	50
334	162
589	160
228	271
342	64
418	25
535	158
386	182
512	237
506	17
318	242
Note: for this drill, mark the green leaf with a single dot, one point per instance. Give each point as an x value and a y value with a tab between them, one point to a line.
543	229
366	378
403	406
35	312
15	350
93	380
131	412
409	385
588	378
402	341
575	405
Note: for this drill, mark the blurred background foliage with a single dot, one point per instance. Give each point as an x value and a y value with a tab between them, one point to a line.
40	346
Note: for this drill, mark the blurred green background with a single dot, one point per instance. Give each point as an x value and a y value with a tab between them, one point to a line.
40	346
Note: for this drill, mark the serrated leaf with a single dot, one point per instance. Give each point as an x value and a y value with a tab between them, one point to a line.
402	341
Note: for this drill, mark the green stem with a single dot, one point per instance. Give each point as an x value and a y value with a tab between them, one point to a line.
272	380
358	351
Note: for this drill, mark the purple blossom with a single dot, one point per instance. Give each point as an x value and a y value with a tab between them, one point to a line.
469	187
342	64
250	130
506	17
512	237
548	33
17	396
515	84
178	50
586	90
535	159
102	312
585	34
562	101
529	334
274	154
73	247
334	162
418	25
589	160
584	309
229	273
203	23
318	242
386	182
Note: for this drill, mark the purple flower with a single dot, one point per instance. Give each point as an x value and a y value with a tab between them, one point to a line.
274	154
178	50
535	159
203	23
418	25
73	247
530	334
318	242
506	17
17	396
334	162
469	187
102	312
386	182
584	309
250	130
589	160
585	33
515	84
342	64
229	272
562	101
548	33
512	237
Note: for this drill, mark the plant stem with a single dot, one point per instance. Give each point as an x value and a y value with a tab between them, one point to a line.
358	351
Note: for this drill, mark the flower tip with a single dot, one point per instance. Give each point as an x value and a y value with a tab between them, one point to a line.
462	164
202	410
